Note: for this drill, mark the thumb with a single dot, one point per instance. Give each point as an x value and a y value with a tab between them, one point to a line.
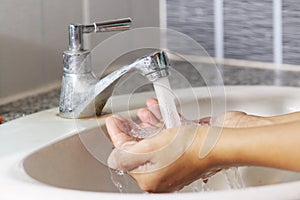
123	160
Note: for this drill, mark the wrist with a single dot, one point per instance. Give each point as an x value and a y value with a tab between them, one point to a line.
206	149
222	150
255	121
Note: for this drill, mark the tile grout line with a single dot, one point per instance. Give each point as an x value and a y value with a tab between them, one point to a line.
277	31
219	29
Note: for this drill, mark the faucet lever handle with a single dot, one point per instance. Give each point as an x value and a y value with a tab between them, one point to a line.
76	31
112	25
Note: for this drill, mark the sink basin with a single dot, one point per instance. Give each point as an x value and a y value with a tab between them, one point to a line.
45	154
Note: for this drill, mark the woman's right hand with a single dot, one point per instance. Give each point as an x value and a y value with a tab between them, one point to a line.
154	162
165	162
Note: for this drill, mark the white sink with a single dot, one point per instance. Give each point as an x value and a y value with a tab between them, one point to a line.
42	156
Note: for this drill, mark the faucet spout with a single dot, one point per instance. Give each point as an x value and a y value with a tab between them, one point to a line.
95	93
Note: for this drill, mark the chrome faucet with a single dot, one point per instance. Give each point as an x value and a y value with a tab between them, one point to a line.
82	93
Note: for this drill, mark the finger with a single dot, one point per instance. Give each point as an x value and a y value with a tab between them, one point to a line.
115	128
153	106
146	116
151	101
123	160
122	124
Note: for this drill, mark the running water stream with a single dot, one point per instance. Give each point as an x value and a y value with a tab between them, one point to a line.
166	101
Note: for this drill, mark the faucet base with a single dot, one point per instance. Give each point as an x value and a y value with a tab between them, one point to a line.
76	88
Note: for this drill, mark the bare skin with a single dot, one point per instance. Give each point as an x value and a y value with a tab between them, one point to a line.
236	119
246	140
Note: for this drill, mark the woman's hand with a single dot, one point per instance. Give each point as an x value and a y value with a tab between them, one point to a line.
165	162
155	162
150	162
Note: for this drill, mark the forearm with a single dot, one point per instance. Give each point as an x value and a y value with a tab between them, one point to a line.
271	146
247	121
290	117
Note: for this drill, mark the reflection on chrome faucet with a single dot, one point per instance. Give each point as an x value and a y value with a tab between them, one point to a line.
82	93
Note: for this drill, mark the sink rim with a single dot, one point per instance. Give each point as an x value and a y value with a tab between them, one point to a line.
13	177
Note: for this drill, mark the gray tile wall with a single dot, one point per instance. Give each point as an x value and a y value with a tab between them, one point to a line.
291	31
248	27
194	18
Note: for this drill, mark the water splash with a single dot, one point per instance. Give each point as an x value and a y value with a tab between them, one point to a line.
143	131
234	178
200	186
118	179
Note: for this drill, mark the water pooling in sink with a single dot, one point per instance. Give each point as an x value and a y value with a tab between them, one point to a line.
170	119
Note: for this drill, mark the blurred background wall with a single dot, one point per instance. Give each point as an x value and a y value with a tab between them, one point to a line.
33	33
255	30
